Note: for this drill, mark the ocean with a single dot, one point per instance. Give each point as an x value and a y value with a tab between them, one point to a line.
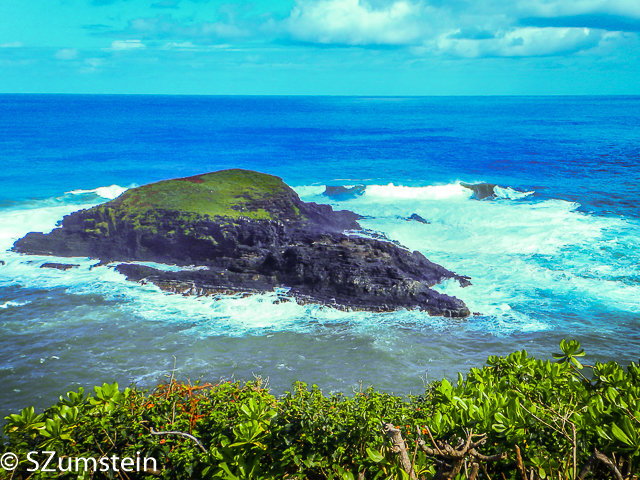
553	254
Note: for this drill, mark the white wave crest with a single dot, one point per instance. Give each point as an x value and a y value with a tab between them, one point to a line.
431	192
509	193
110	192
167	267
310	190
13	304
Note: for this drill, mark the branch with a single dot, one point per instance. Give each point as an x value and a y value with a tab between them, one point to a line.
521	469
487	458
607	461
473	473
182	434
423	444
587	467
399	447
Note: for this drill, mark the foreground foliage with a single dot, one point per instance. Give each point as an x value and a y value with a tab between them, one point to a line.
515	418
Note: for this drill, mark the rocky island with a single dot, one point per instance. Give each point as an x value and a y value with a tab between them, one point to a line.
242	232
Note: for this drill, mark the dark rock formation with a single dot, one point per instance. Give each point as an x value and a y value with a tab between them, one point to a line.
59	266
417	218
344	193
480	190
250	233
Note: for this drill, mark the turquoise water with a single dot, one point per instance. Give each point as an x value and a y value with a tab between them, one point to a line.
554	254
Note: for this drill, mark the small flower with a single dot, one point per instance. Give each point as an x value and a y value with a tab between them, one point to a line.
162	441
424	431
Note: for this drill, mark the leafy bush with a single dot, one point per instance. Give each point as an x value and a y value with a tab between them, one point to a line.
515	418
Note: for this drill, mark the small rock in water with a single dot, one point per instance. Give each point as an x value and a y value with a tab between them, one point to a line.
480	190
344	193
418	218
59	266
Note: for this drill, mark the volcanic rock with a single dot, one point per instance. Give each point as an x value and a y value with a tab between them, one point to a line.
59	266
417	218
344	193
248	233
480	190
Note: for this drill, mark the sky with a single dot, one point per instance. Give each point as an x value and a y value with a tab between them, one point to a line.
321	47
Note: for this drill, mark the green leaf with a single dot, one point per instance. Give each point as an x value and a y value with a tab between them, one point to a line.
629	430
576	362
498	427
375	456
501	418
620	435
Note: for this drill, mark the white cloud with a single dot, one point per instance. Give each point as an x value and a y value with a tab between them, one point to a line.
191	47
179	46
67	54
522	42
554	8
165	26
11	45
354	22
127	45
92	65
220	29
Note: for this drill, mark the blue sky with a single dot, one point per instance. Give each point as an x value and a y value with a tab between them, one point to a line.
321	47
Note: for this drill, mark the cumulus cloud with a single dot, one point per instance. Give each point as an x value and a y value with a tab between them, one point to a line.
458	28
67	54
354	22
127	45
465	28
612	23
522	42
11	45
559	8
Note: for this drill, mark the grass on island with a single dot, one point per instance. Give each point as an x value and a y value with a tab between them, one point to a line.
228	193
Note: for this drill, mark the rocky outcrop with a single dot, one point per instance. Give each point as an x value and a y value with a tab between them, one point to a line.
344	193
417	218
481	190
59	266
249	233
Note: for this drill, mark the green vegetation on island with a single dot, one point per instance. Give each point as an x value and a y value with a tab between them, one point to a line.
516	418
227	193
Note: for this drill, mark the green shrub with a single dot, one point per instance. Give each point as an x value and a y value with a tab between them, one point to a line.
514	418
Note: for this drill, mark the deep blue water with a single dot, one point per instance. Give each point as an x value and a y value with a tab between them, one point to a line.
553	255
583	149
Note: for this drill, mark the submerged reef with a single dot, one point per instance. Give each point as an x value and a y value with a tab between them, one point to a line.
248	233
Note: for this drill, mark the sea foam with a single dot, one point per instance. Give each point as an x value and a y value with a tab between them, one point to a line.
110	192
526	259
